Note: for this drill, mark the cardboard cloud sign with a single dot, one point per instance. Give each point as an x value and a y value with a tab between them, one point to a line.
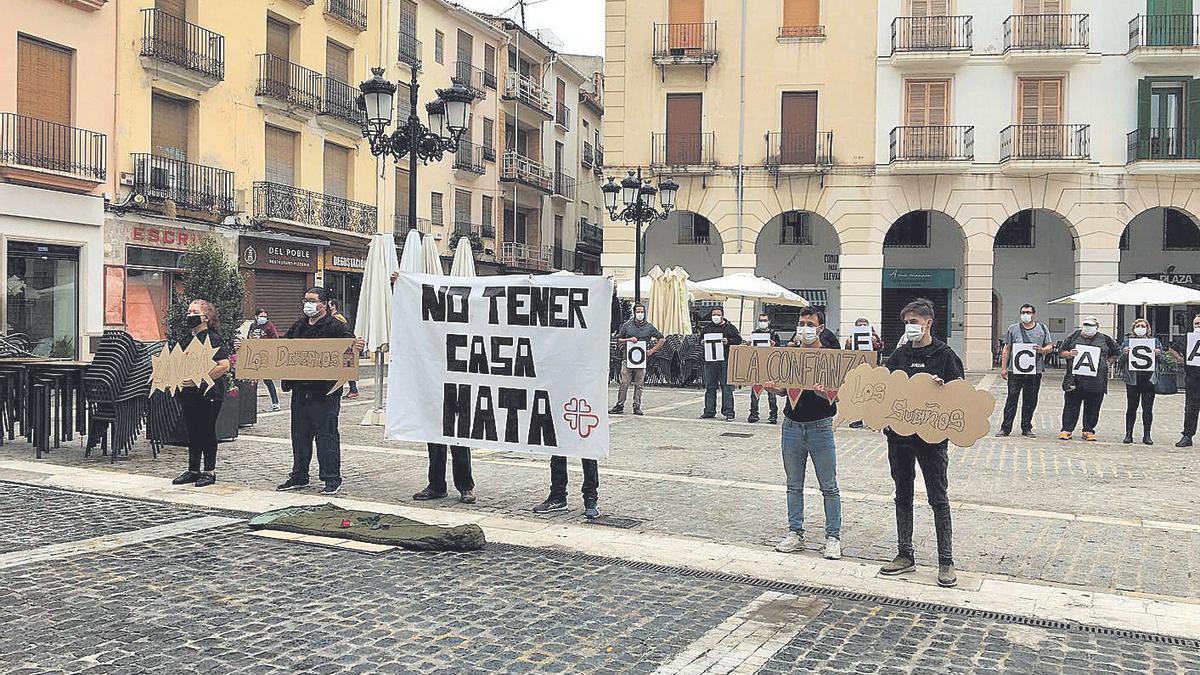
172	367
955	411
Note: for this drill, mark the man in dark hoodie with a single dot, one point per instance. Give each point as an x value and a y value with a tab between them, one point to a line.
921	354
715	372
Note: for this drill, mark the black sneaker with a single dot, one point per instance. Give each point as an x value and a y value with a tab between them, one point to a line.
1147	440
752	419
617	410
900	565
1128	439
772	420
1028	434
186	478
706	416
590	510
1184	442
1001	433
637	411
331	488
207	478
947	578
466	497
729	418
291	484
857	425
551	505
427	494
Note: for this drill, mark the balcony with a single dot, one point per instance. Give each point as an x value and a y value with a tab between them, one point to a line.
931	42
800	33
589	237
410	50
45	154
181	52
287	87
487	231
474	79
590	95
1039	147
488	153
191	187
337	106
1050	40
932	149
685	44
525	256
1172	150
562	258
523	88
518	168
562	116
353	13
598	169
686	153
564	187
403	224
588	156
1168	39
279	203
799	151
469	158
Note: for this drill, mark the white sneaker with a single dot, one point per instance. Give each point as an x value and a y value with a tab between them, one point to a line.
274	407
833	548
791	543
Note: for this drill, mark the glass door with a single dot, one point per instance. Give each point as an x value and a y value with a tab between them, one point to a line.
1166	121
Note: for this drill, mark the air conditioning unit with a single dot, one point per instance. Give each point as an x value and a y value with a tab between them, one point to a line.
158	177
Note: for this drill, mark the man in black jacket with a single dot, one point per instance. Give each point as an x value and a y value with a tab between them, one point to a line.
716	372
1191	384
314	407
921	354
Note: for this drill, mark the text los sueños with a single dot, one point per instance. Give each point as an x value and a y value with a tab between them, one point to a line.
470	411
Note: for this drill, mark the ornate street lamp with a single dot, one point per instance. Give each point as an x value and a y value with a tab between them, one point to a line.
634	197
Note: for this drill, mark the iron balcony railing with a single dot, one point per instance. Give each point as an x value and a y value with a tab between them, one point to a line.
590	236
799	148
801	32
170	39
32	142
404	224
488	152
275	201
351	12
191	186
469	157
1164	144
472	78
1164	30
564	186
466	226
673	149
487	230
588	156
931	34
518	87
562	115
1046	31
286	81
1046	141
599	167
685	42
944	143
519	168
410	50
528	256
338	100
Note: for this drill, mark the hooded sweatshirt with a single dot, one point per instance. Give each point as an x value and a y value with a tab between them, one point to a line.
936	359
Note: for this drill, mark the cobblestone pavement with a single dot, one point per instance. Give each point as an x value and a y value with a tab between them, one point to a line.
220	601
1097	515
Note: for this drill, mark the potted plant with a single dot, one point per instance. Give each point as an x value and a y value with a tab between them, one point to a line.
1168	374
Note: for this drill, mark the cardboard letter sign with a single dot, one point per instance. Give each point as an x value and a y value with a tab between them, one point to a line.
793	368
714	347
175	365
760	339
635	355
300	359
955	411
1087	363
1193	349
1141	354
860	339
1024	358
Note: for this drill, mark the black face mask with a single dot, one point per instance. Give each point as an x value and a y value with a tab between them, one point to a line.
194	320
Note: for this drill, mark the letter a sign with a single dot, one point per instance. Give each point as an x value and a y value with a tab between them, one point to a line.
635	355
1141	355
1193	349
1087	363
1024	358
714	348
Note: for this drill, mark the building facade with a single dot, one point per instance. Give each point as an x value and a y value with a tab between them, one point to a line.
998	152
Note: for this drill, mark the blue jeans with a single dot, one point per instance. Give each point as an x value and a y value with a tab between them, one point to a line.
715	376
271	390
802	440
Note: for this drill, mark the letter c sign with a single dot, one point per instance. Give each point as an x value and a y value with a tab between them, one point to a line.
1024	359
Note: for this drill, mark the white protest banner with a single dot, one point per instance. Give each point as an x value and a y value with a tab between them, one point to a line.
860	339
635	355
714	347
1141	354
1024	358
760	339
1192	357
1087	363
501	363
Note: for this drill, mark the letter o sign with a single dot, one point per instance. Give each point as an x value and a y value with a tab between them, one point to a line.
635	355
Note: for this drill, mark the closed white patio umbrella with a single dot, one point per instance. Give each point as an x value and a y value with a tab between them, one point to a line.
374	311
431	261
463	264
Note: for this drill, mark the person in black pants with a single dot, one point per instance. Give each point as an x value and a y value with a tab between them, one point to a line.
461	468
557	501
716	372
1191	383
1086	390
1023	386
1140	385
202	403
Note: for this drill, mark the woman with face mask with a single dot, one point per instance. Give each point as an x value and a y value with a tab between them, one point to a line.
261	327
1083	388
1139	385
201	403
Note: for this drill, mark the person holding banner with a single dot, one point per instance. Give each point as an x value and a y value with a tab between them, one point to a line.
1025	343
1186	348
315	403
764	337
1139	355
717	337
922	354
1086	382
200	404
636	334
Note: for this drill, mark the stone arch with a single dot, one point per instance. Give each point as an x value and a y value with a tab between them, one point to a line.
685	239
1034	255
924	254
1162	242
799	250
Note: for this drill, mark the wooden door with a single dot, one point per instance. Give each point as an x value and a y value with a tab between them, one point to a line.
170	30
337	62
930	26
684	119
279	37
686	19
926	114
1169	22
337	171
1041	101
43	93
169	127
800	17
798	128
1040	24
403	222
462	211
281	156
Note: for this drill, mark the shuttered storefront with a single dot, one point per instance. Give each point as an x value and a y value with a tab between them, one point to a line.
281	294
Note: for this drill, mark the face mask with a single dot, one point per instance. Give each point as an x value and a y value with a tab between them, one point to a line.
262	320
310	309
1088	331
1026	318
914	331
764	324
194	320
717	318
640	316
807	333
1140	331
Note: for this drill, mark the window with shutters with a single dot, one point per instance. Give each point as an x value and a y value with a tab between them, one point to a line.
402	220
802	18
486	218
1180	232
280	156
43	80
910	231
337	61
439	46
169	127
337	171
462	211
435	208
1040	102
489	66
403	103
926	103
489	140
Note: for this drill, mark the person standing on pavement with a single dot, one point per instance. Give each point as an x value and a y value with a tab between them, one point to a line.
557	501
1191	383
464	482
315	408
1086	391
876	346
922	354
764	326
808	433
1023	386
336	310
201	404
1140	384
637	329
716	372
263	328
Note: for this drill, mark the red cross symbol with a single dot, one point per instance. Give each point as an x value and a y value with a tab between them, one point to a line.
579	416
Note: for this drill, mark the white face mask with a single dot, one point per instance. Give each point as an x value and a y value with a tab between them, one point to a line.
1196	327
1088	331
764	324
717	318
310	309
1140	331
807	334
640	316
262	320
1026	318
914	331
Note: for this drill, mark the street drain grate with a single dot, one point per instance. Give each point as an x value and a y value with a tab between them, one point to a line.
615	521
731	434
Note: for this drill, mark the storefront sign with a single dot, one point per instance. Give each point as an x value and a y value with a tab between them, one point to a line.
268	255
345	261
165	236
1179	279
918	278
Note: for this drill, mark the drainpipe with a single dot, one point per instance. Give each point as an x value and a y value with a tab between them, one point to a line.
741	166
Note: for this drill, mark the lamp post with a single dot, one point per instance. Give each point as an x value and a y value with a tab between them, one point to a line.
637	195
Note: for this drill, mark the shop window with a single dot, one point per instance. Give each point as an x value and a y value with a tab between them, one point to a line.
1180	233
910	231
694	229
1017	231
43	297
796	229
